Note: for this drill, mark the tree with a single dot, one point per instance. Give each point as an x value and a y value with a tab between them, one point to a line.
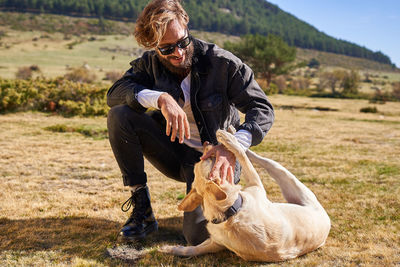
396	91
268	56
332	80
313	63
351	83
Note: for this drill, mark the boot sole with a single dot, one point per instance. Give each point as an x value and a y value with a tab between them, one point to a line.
147	231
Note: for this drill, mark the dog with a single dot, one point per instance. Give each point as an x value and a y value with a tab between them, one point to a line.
245	221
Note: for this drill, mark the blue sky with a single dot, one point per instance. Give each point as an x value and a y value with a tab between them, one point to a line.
374	24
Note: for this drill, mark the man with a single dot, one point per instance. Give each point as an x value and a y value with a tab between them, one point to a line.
194	88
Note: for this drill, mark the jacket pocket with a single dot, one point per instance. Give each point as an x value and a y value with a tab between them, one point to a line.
211	103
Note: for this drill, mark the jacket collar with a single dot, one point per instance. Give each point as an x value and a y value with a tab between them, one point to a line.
201	61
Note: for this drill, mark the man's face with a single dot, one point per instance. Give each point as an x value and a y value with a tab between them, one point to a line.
180	60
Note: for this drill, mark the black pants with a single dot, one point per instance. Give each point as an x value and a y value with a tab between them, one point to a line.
134	136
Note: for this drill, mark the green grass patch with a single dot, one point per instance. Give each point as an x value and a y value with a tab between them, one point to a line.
276	147
94	132
385	169
380	168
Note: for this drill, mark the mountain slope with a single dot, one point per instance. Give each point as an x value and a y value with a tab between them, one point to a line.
236	17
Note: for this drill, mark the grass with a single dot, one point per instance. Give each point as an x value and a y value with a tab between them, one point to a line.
55	54
54	57
93	131
337	60
61	190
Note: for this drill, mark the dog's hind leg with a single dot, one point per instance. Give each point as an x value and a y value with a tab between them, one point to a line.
249	173
292	189
208	246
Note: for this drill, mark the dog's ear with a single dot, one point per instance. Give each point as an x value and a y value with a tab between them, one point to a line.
206	147
191	201
216	190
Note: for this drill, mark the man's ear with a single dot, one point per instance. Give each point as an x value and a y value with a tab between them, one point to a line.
216	190
191	201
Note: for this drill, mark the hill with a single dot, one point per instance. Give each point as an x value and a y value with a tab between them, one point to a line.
235	17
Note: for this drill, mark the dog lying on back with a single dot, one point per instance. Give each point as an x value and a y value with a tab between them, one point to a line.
245	221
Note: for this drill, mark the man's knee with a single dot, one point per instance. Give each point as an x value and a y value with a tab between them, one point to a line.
197	236
116	114
195	227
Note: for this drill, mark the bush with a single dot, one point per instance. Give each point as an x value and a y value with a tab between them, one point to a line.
24	73
280	82
396	91
81	75
300	84
56	95
313	63
369	110
113	76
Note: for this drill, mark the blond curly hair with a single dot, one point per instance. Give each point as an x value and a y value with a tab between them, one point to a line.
152	23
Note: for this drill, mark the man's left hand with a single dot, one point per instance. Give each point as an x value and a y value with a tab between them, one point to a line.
224	163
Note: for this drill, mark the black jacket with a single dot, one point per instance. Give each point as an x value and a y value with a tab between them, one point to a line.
221	84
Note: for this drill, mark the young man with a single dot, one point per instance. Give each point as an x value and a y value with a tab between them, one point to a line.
194	88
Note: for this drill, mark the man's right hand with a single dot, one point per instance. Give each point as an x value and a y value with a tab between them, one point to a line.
176	118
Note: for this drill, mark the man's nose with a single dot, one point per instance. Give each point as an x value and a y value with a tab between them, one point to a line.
178	52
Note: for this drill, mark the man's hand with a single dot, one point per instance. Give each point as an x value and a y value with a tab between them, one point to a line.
177	122
224	163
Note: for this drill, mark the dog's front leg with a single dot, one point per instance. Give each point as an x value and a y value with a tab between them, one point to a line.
207	246
249	172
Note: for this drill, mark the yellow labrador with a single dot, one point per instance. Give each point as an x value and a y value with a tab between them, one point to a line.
245	221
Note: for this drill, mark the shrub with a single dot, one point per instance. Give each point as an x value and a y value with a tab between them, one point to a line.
396	91
57	95
24	73
299	84
313	63
280	82
369	110
35	68
113	76
81	75
379	96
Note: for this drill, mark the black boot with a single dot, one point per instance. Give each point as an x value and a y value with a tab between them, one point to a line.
142	221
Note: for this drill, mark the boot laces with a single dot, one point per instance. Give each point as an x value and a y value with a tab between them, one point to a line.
128	204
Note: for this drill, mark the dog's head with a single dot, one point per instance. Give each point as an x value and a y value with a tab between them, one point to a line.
202	187
207	191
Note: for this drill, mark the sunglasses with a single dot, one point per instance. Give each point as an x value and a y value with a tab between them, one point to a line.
166	50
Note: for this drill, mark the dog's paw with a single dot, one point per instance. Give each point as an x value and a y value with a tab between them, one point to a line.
166	249
176	250
229	141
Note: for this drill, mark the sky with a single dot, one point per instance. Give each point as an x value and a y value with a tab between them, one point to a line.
374	24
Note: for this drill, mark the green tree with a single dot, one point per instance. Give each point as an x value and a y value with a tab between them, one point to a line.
351	82
268	56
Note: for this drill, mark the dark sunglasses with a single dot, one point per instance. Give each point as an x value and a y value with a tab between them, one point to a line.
166	50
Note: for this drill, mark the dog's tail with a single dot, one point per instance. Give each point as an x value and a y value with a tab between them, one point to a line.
292	189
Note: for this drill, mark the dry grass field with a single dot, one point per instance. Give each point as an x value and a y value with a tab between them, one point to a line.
60	192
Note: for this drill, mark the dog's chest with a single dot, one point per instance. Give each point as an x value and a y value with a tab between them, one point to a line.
238	233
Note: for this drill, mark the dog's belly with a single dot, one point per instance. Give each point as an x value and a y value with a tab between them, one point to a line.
248	238
272	238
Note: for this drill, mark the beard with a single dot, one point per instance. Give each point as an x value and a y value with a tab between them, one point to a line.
184	68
